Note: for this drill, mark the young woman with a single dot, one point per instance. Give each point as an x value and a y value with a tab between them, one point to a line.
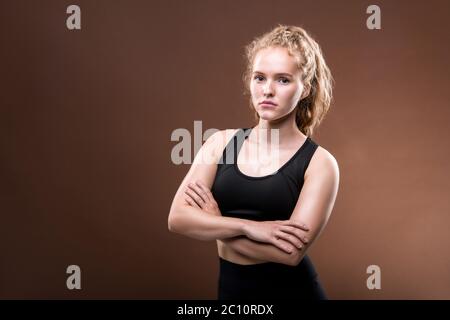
266	214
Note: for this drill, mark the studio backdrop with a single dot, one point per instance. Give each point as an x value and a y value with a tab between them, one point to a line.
94	92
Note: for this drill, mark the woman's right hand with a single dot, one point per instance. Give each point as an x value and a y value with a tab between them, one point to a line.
284	234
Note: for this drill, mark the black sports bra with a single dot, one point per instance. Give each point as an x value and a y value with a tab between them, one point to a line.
270	197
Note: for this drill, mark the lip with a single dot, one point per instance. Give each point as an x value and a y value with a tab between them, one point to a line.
268	103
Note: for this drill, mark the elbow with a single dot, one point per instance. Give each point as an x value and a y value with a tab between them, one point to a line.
176	223
172	223
295	258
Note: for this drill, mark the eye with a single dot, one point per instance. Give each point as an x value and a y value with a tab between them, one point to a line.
284	80
258	78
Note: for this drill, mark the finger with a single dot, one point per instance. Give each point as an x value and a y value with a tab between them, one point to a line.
297	224
191	202
205	189
194	197
283	245
199	192
296	242
296	232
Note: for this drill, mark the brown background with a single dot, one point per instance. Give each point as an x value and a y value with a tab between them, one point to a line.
86	176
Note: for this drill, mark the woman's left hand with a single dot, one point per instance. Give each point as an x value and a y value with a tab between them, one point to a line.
199	195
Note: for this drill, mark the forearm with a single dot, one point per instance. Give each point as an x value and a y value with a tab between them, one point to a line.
197	224
261	251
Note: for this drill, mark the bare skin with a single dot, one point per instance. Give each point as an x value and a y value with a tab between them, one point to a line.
205	222
194	211
232	249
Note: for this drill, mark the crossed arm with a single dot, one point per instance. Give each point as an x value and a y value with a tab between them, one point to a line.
195	213
313	208
277	241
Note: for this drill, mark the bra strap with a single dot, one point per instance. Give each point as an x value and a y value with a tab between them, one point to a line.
239	138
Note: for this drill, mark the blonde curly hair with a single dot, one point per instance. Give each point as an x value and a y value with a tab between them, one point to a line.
316	76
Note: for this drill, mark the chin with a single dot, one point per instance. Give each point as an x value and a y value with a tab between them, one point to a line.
268	115
265	116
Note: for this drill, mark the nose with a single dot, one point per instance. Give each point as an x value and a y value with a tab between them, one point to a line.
268	89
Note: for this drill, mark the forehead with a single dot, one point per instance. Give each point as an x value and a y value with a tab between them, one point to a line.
275	60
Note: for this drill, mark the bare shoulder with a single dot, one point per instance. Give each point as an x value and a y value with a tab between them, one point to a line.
322	163
219	140
227	134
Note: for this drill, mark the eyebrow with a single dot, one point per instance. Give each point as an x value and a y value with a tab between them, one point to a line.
277	74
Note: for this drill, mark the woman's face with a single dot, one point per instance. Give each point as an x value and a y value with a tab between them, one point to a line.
277	79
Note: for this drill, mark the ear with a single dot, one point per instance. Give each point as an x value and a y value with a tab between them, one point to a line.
306	91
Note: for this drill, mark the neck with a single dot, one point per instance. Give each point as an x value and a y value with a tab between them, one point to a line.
285	128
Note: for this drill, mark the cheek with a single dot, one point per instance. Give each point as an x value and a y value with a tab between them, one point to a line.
291	94
254	88
255	92
297	93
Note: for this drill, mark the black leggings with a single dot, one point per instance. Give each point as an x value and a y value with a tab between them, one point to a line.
269	280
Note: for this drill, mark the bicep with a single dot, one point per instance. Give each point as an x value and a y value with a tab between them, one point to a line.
317	197
203	168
